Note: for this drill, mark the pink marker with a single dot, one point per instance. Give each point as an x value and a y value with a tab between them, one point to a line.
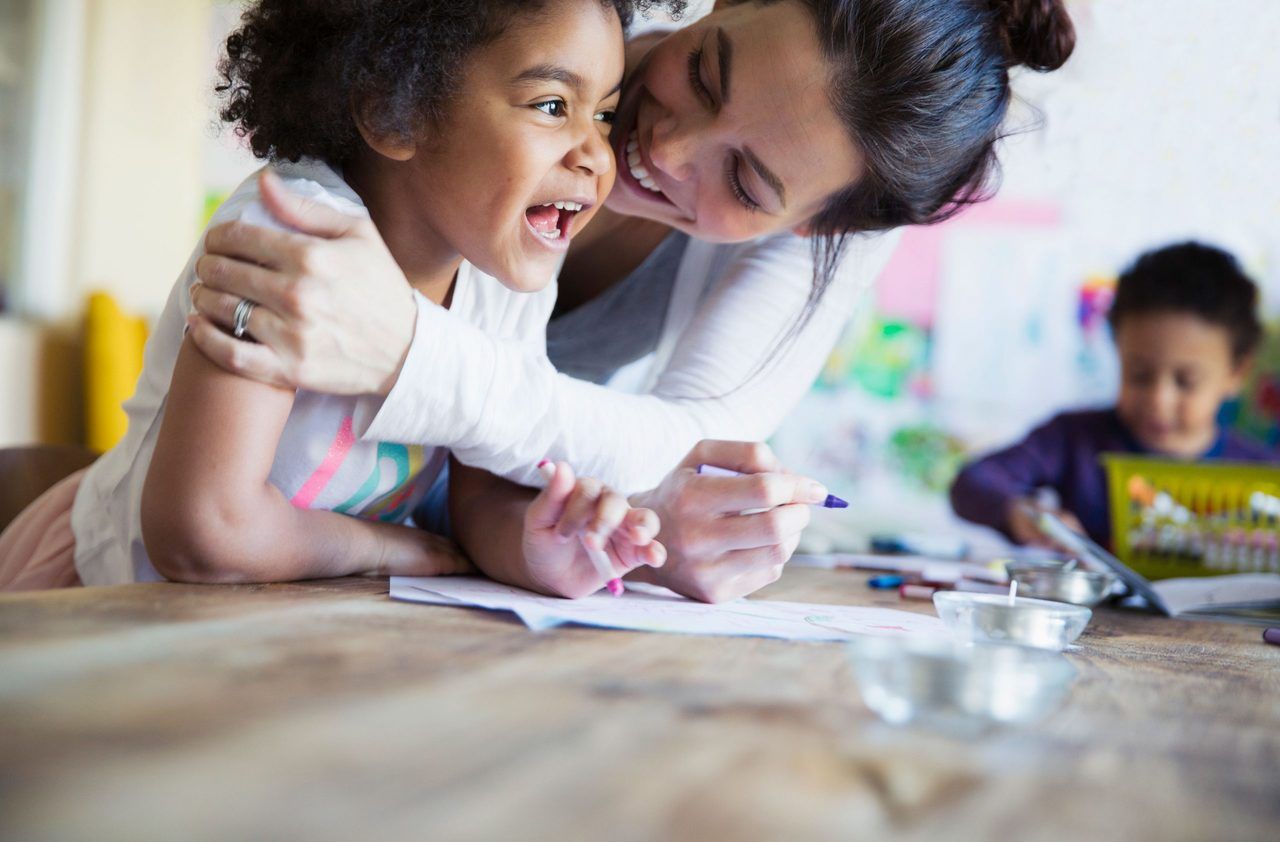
599	560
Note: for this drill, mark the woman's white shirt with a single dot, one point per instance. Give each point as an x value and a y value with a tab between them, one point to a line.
717	372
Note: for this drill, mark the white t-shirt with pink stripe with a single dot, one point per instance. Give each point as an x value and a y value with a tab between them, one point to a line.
320	463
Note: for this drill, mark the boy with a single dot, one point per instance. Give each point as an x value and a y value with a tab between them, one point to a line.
1185	325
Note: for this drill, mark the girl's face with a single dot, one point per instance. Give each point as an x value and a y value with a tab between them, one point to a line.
522	160
726	131
1175	372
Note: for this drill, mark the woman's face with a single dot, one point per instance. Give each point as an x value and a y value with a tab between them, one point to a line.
726	131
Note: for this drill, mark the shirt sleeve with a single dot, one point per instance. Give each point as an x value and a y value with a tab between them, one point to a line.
733	373
983	491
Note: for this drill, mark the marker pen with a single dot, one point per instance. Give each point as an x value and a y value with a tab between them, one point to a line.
832	501
599	560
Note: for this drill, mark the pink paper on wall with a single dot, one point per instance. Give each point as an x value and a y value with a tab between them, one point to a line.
908	287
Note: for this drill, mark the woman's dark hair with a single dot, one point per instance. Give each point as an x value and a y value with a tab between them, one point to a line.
294	69
922	87
1196	279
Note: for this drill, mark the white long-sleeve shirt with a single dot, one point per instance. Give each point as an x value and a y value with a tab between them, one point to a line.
502	407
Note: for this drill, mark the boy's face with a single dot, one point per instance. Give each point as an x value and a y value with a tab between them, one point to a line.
528	129
1175	371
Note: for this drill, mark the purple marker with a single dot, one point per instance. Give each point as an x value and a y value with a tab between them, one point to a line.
1272	636
832	501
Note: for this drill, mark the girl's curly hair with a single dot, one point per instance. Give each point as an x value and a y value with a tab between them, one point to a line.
294	69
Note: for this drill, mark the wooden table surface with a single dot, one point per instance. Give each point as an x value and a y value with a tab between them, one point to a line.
325	710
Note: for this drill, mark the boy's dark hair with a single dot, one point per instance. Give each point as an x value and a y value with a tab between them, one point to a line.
295	68
1197	279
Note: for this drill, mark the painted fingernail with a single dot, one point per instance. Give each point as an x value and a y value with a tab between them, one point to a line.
544	463
815	492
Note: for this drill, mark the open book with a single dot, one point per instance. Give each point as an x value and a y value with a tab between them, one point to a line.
1244	597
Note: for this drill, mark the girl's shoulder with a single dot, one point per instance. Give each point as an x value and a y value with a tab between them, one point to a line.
308	178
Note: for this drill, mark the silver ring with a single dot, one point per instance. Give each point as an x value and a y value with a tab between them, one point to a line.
240	320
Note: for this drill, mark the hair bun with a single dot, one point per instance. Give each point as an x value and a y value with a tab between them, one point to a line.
1036	33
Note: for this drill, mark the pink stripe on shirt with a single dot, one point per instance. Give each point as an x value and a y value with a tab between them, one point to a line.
332	461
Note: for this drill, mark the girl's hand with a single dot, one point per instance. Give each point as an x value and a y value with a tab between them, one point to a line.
409	551
571	511
715	552
335	313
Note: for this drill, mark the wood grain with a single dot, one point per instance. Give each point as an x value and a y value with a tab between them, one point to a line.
324	711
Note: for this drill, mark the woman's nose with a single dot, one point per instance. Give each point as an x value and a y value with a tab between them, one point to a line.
673	148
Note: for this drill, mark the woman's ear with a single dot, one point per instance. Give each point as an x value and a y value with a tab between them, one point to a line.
802	230
387	144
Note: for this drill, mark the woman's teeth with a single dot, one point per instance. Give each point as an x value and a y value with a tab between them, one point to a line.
638	171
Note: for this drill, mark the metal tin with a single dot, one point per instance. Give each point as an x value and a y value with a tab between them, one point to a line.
1038	623
961	688
1054	582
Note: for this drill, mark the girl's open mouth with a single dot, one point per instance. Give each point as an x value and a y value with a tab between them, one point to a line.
553	220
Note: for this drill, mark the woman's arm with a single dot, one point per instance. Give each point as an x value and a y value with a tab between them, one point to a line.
209	513
516	408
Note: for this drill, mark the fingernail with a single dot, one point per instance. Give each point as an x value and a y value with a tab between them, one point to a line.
816	492
544	462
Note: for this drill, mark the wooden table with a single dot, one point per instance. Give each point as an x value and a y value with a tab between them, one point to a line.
327	711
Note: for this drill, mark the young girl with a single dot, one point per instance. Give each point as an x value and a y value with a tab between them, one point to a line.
474	137
1185	324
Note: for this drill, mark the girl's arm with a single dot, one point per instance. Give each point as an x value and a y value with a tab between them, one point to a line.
534	539
209	513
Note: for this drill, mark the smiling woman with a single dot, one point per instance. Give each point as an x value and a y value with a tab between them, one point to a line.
762	147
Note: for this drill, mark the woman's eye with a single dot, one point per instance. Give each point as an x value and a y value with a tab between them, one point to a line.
695	75
606	116
735	185
552	108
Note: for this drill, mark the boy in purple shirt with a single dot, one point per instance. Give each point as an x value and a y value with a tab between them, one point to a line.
1185	325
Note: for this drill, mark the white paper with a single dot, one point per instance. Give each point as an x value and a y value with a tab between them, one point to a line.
1200	593
650	608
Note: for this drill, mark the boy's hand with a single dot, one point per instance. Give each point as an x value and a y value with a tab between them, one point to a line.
570	511
1024	528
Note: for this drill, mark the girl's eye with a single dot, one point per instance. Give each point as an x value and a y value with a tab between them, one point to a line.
735	185
606	116
552	108
695	76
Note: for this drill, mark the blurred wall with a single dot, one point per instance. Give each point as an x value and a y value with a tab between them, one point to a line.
116	193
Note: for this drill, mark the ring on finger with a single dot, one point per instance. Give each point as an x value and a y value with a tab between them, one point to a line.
240	319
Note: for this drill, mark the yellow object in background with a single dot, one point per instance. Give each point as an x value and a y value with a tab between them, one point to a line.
112	362
1171	518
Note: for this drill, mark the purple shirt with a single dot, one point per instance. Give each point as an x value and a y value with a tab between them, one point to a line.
1062	454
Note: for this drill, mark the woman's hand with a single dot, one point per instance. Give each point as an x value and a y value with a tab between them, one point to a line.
715	551
334	312
570	512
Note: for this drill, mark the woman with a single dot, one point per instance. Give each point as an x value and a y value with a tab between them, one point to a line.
735	245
